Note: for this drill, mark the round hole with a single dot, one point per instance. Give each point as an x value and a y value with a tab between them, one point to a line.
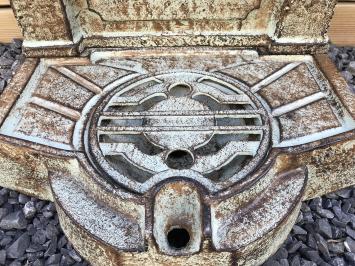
178	238
179	90
180	159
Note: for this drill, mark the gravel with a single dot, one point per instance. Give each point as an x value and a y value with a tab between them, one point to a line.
10	56
30	233
324	234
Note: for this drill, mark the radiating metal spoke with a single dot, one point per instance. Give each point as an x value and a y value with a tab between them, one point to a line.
56	107
79	79
275	76
284	109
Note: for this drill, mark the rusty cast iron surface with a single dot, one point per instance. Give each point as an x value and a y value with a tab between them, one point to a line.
195	149
133	145
75	27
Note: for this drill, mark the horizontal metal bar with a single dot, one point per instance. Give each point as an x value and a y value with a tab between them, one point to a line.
213	129
205	113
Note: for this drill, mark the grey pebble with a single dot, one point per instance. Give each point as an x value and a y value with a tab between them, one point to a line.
38	262
51	231
308	217
295	261
312	255
33	248
15	220
2	85
349	244
293	247
336	247
346	206
74	255
351	67
337	262
338	232
2	200
308	263
297	230
67	260
272	263
3	212
327	204
284	262
311	241
346	192
18	248
5	241
325	213
347	75
15	263
29	209
315	203
39	237
350	232
51	250
53	259
281	254
350	257
2	257
324	228
62	242
322	246
23	199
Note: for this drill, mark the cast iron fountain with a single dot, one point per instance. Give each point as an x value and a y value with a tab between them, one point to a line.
176	132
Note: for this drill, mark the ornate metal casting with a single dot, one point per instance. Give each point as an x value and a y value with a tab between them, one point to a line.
184	155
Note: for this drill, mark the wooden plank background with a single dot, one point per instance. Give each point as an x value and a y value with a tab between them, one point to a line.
4	2
342	26
8	26
341	32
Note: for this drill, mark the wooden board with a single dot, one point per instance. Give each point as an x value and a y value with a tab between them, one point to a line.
4	2
342	28
8	26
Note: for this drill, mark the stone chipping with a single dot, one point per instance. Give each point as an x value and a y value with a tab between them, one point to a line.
324	234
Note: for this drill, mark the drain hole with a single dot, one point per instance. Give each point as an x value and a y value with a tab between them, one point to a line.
178	238
180	159
180	90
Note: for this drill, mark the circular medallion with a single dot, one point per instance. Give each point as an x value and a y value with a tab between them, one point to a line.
207	128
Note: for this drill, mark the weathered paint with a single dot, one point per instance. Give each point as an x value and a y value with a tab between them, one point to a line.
99	135
236	211
276	26
178	205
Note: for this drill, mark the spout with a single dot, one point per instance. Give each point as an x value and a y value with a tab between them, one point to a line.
178	219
